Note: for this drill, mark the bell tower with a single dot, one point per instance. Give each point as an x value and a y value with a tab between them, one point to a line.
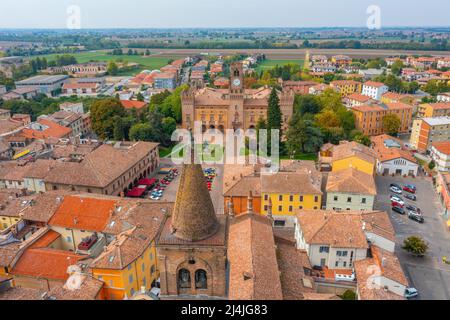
237	78
236	109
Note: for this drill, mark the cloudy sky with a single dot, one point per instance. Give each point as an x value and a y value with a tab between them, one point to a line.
215	13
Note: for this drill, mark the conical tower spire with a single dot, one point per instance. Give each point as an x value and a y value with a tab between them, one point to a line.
193	217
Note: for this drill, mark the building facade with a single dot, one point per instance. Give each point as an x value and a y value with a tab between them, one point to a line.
234	108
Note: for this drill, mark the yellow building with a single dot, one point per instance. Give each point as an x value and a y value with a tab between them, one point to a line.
431	110
353	155
347	87
11	208
285	192
123	271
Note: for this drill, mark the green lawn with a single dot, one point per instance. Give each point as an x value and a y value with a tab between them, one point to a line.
303	156
269	64
102	56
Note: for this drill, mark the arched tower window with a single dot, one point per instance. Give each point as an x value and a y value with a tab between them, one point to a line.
184	279
236	73
201	280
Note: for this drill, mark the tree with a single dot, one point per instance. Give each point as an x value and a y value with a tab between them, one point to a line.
302	136
328	119
103	114
274	115
397	67
113	69
169	125
306	104
141	132
119	130
432	165
391	124
361	138
140	97
415	245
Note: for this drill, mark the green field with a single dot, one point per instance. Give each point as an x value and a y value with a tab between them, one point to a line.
269	64
101	56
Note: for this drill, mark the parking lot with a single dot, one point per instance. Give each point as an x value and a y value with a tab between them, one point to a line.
429	274
170	192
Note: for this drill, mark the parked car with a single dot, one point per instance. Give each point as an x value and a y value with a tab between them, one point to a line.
398	210
395	185
155	198
411	293
410	207
416	216
411	197
397	199
396	190
410	188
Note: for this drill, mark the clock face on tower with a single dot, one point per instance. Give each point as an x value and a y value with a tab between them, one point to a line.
236	82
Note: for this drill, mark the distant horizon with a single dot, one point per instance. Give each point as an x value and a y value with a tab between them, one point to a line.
229	28
207	14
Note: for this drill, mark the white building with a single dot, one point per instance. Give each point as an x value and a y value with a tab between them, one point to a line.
76	107
336	240
443	97
440	152
392	158
374	89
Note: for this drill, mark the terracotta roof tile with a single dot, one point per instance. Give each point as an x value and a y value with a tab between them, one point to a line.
351	181
83	213
254	271
336	229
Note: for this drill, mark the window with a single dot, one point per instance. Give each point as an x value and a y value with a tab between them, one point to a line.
280	208
336	198
143	267
201	281
363	200
280	198
69	239
345	264
291	198
323	249
349	199
152	269
184	279
265	208
266	197
316	199
279	223
301	198
130	278
336	264
290	208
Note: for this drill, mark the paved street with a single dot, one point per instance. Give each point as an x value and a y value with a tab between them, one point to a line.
429	274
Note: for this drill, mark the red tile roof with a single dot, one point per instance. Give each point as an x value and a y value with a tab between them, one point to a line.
442	147
83	213
53	130
374	84
133	104
45	263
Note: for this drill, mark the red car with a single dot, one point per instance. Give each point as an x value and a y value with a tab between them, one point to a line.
396	204
409	189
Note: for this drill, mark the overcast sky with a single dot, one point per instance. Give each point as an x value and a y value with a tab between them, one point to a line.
224	13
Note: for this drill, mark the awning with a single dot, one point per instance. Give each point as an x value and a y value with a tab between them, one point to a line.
136	193
20	155
147	182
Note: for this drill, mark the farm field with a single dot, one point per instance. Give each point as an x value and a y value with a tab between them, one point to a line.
270	63
102	56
